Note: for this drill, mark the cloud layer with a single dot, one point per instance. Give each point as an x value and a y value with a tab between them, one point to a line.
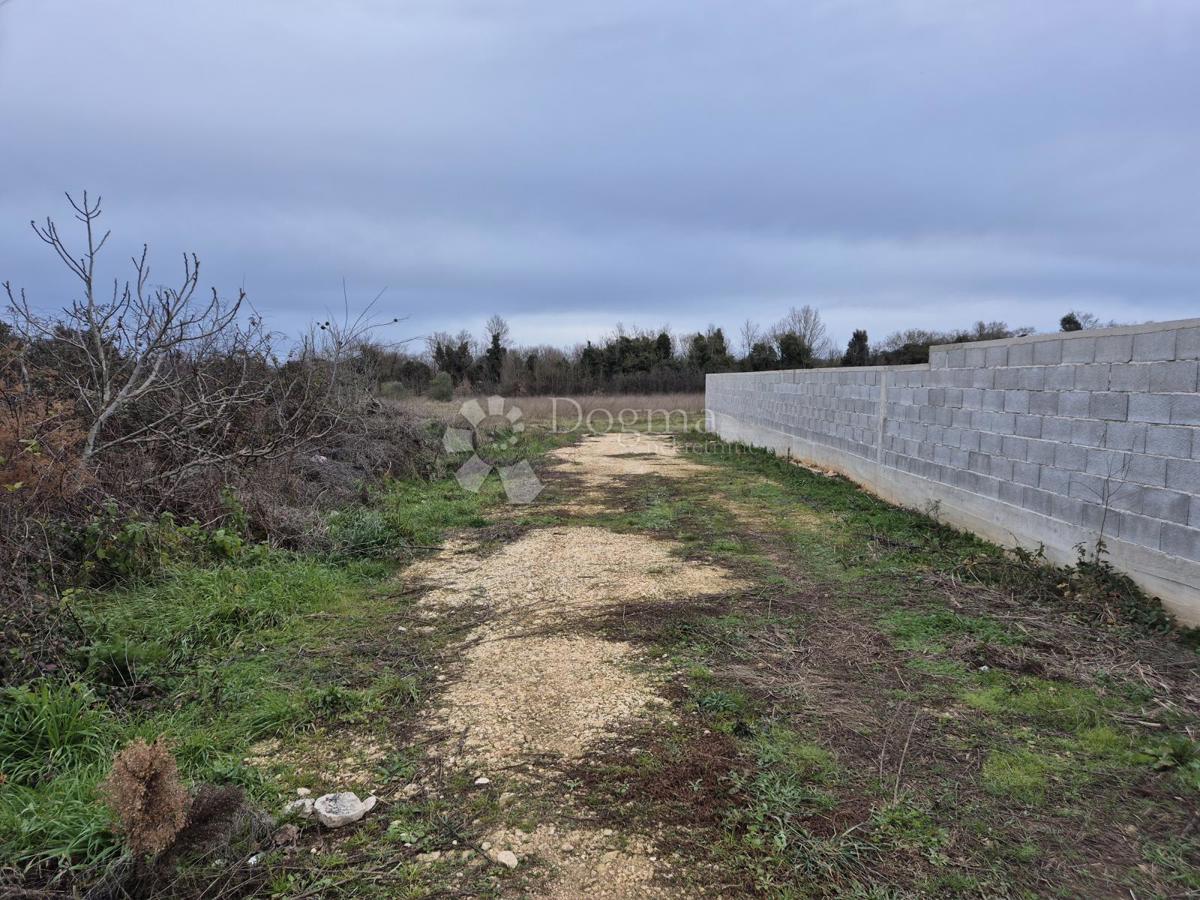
571	165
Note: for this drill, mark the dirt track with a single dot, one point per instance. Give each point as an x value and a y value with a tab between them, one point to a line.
536	684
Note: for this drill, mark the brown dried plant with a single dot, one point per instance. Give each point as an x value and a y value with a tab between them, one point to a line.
146	797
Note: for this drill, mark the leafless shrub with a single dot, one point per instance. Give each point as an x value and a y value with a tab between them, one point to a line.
146	797
191	382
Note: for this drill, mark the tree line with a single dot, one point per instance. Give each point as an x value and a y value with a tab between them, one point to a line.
655	360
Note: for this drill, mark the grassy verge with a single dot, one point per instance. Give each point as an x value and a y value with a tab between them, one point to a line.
270	671
893	707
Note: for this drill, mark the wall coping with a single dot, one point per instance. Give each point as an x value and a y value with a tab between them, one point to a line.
1145	328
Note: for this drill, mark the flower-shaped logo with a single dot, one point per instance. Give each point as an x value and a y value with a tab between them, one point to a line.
521	485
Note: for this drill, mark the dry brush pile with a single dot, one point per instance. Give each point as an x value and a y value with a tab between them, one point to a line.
145	418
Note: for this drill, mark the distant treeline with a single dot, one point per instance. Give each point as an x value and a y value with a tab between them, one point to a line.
652	361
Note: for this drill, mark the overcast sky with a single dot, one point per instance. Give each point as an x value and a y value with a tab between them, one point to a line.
572	164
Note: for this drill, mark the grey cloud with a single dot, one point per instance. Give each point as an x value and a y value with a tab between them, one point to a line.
915	162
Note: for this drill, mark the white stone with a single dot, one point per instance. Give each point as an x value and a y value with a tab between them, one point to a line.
302	808
506	858
336	810
480	781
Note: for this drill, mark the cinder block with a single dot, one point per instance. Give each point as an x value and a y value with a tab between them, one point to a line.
1154	345
1026	473
1110	406
1016	401
1041	452
1135	529
1129	377
1037	501
1047	353
1194	514
1014	447
1169	440
1185	409
1174	377
1150	408
1187	344
1056	429
993	400
1009	379
1059	378
1126	436
1106	463
1124	495
1011	492
997	356
1183	475
1114	348
982	378
1056	481
991	443
1029	426
1032	378
1079	350
1020	354
1070	457
1092	378
1075	404
1067	509
1180	540
1001	468
1089	488
1171	506
1087	432
976	357
1043	403
1150	470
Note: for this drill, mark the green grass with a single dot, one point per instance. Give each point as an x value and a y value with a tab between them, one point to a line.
932	632
1055	704
222	657
1022	775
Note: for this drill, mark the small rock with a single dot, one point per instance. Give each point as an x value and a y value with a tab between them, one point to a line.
253	860
506	798
288	834
431	857
410	790
336	810
506	858
303	792
486	845
302	808
481	781
568	848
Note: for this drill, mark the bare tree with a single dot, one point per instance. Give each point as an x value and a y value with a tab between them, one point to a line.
172	372
806	323
497	329
751	334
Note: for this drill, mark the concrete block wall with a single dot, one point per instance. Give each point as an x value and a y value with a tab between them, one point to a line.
1048	439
